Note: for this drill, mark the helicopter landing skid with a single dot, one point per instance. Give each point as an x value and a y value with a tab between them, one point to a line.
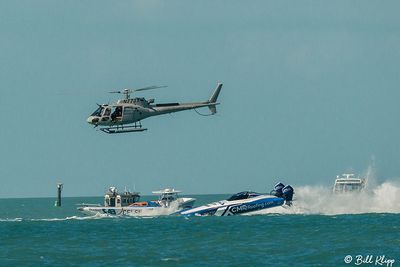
128	129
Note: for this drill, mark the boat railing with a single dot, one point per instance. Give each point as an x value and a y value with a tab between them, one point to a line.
88	205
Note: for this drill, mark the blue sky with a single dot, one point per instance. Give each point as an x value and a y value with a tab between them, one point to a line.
310	90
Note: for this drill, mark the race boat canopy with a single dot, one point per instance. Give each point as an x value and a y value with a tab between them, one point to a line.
243	195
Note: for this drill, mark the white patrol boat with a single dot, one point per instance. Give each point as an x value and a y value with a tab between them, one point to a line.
127	204
349	183
246	202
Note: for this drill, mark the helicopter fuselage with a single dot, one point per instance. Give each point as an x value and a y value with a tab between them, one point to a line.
133	110
126	113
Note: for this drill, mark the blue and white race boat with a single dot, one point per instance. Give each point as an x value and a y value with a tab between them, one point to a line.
245	202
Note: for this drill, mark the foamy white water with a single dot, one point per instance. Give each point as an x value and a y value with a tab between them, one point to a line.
11	220
97	216
377	198
384	198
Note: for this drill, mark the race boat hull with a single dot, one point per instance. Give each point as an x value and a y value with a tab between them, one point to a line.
236	207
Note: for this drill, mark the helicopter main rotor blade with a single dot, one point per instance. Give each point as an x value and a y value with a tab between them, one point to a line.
149	88
129	91
144	88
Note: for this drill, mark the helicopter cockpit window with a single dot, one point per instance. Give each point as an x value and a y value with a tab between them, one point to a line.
117	113
98	112
107	112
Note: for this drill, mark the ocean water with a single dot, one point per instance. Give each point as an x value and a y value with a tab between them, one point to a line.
320	230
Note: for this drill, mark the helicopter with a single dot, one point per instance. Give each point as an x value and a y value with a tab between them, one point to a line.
126	114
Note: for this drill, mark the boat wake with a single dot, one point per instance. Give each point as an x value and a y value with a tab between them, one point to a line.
94	217
383	198
76	218
10	219
97	216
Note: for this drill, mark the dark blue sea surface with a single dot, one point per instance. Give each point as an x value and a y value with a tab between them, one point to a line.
35	233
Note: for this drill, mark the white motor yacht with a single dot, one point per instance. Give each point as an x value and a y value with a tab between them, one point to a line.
349	183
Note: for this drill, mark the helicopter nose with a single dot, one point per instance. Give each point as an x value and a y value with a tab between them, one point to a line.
92	120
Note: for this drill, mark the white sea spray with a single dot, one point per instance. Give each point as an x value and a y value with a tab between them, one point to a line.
384	198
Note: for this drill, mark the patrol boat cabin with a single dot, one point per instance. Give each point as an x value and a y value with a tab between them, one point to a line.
114	199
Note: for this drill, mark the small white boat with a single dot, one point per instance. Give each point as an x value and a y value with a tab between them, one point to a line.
127	204
349	183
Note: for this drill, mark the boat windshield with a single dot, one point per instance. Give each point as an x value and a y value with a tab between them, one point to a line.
348	187
243	195
98	112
